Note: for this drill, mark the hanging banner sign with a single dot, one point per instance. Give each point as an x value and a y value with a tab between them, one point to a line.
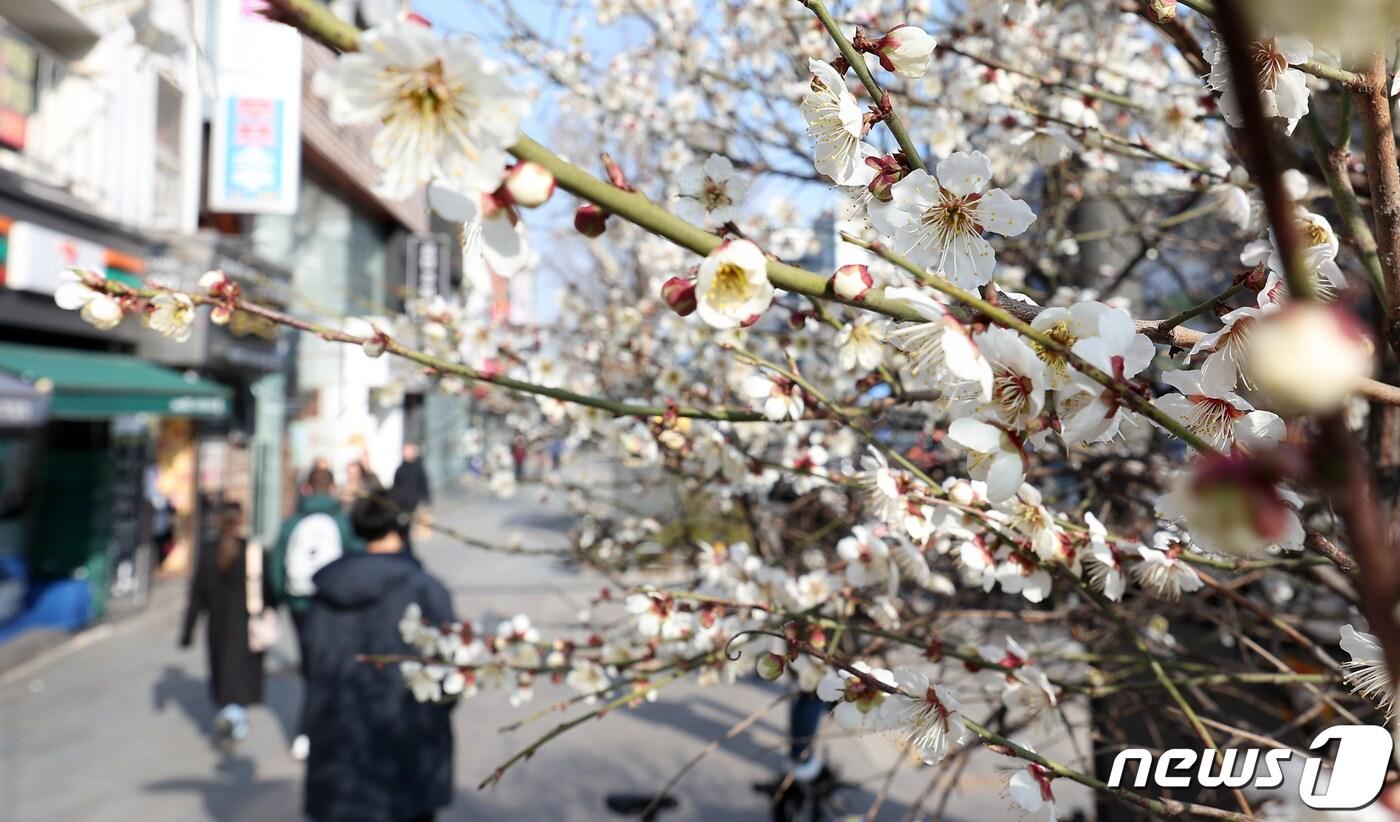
255	135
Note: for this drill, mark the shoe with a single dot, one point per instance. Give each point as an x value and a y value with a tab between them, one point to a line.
223	726
301	748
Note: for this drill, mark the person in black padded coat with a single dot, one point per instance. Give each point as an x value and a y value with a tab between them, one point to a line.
377	754
219	593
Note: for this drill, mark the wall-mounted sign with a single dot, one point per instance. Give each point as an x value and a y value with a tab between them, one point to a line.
428	267
255	136
37	254
19	69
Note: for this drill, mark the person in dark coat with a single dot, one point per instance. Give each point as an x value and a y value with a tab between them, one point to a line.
410	491
219	592
317	533
377	754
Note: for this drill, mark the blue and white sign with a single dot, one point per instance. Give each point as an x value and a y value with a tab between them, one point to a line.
255	145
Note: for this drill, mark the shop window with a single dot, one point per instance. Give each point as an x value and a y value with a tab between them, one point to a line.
170	179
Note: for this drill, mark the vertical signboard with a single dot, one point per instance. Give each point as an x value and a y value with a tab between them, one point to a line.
255	136
19	70
428	261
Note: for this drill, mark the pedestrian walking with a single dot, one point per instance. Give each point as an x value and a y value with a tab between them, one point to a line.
316	535
358	479
410	491
222	590
519	450
377	754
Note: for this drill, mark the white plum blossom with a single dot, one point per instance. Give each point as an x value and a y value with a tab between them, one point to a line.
709	192
867	557
1228	343
494	241
1047	145
861	344
1283	89
810	590
732	288
996	457
1030	789
941	220
425	681
444	111
941	348
1164	572
587	678
1019	377
171	314
925	715
1105	569
657	617
1017	574
1094	413
1209	407
779	397
97	308
1366	671
837	125
858	704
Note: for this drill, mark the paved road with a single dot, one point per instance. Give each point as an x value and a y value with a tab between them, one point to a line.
113	725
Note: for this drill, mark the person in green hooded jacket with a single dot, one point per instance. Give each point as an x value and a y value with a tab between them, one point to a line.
316	535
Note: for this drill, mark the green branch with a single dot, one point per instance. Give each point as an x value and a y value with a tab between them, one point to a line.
857	63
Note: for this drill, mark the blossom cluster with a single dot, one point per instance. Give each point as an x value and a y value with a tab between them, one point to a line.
912	365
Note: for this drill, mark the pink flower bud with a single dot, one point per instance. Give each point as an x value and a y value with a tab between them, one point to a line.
771	666
529	184
889	170
375	345
590	220
850	282
214	281
906	51
679	294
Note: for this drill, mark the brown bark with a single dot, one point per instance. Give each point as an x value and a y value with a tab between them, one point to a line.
1384	174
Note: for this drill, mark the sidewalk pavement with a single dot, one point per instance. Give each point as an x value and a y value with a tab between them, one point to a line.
113	725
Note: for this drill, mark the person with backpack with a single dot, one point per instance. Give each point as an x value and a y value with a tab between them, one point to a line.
377	753
316	535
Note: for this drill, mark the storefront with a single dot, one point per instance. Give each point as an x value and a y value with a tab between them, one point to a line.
23	413
241	457
88	530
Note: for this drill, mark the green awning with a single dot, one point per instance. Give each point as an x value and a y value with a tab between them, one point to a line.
95	384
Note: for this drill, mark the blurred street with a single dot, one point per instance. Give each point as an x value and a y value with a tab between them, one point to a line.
114	725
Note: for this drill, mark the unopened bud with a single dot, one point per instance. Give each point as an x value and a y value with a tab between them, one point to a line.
1161	10
529	184
375	345
850	282
679	294
590	220
889	170
215	282
1308	358
771	666
906	51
